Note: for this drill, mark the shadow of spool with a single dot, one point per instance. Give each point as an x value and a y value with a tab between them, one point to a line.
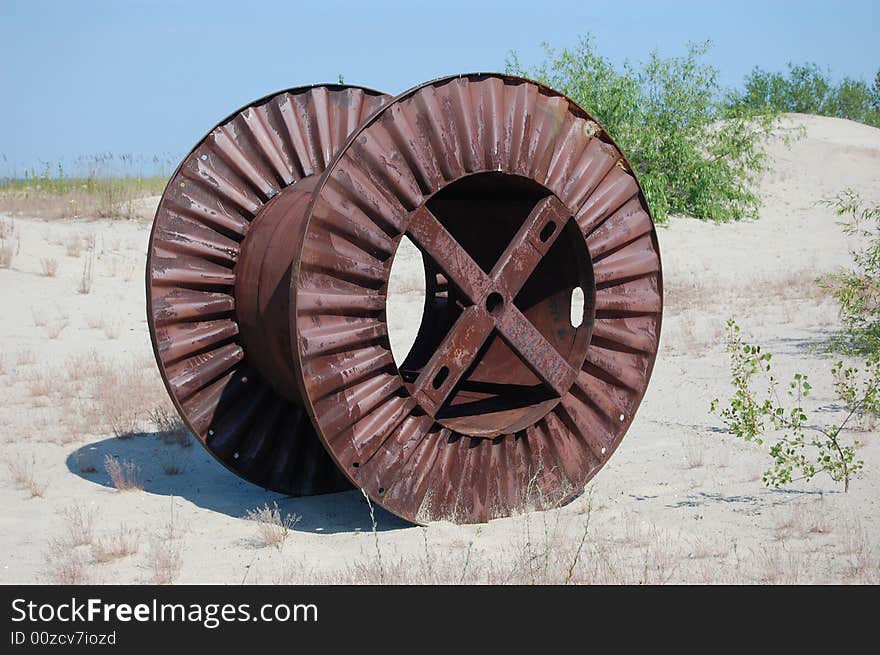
206	484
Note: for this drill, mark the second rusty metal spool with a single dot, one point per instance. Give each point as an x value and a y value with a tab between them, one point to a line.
516	198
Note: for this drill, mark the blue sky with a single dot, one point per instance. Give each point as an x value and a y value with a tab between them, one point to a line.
151	77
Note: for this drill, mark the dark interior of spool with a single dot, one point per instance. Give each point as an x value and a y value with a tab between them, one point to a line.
500	394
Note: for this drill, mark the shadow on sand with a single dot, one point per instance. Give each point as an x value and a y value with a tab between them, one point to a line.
206	483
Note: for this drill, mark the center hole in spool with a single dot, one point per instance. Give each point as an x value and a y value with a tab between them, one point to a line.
494	302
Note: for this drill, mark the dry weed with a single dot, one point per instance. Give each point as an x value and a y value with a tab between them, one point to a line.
121	395
85	282
125	475
25	358
171	428
165	555
111	329
272	527
122	543
40	319
7	229
21	471
85	461
73	245
39	384
694	455
49	266
80	367
171	465
67	567
709	549
862	563
779	566
7	254
55	327
79	525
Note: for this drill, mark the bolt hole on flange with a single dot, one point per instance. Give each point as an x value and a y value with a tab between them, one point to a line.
440	378
547	232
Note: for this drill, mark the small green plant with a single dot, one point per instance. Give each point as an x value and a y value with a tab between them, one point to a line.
802	450
857	289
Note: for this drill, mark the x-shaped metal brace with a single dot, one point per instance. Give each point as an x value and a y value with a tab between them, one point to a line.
491	303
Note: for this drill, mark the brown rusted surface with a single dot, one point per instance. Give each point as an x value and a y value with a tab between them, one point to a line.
269	269
223	241
515	196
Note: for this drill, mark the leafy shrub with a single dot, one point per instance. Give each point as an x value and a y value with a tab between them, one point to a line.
802	449
858	289
807	89
692	154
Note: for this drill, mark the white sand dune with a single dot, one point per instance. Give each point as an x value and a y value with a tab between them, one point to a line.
679	501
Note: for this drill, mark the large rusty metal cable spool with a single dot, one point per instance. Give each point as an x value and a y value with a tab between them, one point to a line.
518	201
225	365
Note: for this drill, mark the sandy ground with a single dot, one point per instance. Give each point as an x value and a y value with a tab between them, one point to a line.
681	500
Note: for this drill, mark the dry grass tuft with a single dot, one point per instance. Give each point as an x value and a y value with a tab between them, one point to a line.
165	556
7	253
125	475
49	266
694	455
56	326
122	543
73	245
39	384
25	358
85	461
40	319
80	367
272	527
22	473
67	567
7	229
111	329
799	521
709	549
85	282
95	322
121	395
171	428
79	525
172	465
165	560
862	564
779	566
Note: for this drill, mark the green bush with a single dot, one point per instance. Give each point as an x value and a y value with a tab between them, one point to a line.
693	154
857	289
801	448
807	89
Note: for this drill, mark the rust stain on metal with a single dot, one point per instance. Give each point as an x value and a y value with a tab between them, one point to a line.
269	267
